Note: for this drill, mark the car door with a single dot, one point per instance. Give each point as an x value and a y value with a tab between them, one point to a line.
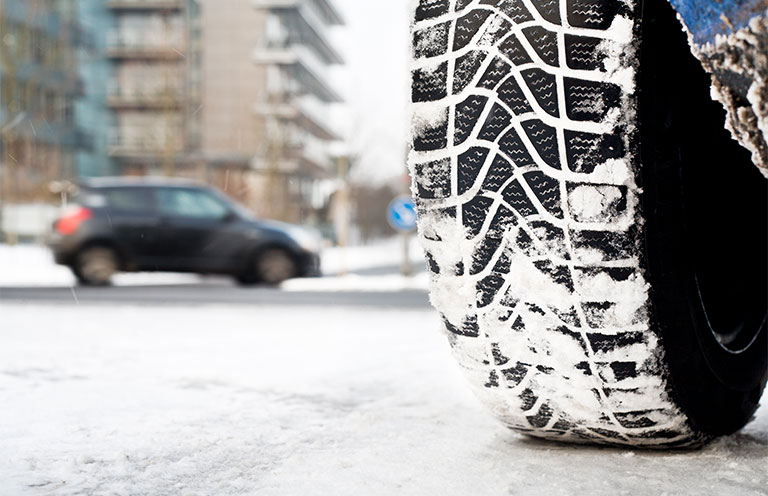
195	228
134	223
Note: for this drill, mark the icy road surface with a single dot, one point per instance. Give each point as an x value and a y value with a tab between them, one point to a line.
306	401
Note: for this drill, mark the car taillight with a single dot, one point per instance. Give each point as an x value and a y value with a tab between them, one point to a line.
72	219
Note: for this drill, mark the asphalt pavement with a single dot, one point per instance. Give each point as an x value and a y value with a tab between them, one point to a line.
211	292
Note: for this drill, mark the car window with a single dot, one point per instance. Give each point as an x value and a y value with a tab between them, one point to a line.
178	202
128	199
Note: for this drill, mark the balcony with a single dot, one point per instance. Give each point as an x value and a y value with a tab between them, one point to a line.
145	4
143	143
137	97
302	27
300	66
124	45
302	117
324	8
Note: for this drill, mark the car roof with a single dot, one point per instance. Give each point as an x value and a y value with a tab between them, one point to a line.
136	182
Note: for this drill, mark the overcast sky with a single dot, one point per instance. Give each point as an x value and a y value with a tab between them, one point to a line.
375	43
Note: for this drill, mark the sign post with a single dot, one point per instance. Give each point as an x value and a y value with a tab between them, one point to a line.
401	215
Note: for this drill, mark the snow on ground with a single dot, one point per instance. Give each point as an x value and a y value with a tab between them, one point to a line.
274	401
354	282
27	265
33	266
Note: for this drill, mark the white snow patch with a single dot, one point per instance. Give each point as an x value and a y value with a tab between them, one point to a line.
269	401
613	171
354	282
591	203
27	265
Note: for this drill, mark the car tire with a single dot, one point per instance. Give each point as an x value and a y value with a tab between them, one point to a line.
270	266
596	239
275	265
95	266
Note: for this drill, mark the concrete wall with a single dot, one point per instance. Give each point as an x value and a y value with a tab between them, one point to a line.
232	82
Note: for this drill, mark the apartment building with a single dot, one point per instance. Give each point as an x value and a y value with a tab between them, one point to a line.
234	93
39	84
266	94
153	46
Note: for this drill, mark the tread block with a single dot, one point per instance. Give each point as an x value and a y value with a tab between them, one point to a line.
549	10
484	253
431	42
609	246
544	43
594	14
487	289
513	50
542	417
474	213
515	375
468	328
611	342
560	274
498	357
514	9
582	53
429	9
501	170
496	71
552	237
497	121
635	420
515	196
470	164
585	151
467	26
468	114
589	100
544	140
433	179
501	222
544	88
513	97
547	191
432	265
511	145
466	67
433	136
429	84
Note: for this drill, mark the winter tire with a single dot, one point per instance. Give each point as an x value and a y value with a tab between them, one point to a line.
96	265
597	241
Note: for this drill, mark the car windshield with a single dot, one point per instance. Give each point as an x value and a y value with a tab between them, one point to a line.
241	210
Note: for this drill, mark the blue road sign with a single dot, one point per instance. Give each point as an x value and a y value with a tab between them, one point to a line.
401	214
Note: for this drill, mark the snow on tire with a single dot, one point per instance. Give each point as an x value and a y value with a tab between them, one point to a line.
526	169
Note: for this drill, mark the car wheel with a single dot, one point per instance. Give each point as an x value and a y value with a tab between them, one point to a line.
96	265
596	239
274	266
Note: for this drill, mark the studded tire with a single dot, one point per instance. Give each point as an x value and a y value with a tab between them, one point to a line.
565	185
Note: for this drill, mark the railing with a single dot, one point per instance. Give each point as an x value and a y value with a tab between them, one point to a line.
123	41
145	141
145	4
143	94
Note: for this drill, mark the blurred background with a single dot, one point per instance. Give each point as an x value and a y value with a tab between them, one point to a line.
295	109
279	104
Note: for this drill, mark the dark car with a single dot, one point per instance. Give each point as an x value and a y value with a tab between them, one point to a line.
122	224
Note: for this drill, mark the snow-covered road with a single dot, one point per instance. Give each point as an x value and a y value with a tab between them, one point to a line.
232	400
